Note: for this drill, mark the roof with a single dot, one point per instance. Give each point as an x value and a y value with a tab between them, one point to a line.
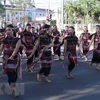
14	6
42	9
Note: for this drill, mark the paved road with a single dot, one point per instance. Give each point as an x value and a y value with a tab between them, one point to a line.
84	86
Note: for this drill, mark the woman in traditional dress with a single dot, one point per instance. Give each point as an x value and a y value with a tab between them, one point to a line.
11	58
45	44
28	40
94	43
70	43
84	41
96	57
36	37
56	35
39	28
95	38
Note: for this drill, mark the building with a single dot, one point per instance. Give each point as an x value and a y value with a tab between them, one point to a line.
15	14
38	15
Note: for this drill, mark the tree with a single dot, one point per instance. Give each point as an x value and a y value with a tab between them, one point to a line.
84	9
68	9
21	5
11	12
74	10
2	10
26	18
89	7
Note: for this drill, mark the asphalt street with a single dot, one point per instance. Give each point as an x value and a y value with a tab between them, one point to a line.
84	86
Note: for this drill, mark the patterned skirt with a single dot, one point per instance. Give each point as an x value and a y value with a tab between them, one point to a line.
96	56
10	65
72	57
85	48
46	59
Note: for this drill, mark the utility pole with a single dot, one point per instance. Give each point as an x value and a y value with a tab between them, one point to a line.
48	9
62	14
5	8
12	2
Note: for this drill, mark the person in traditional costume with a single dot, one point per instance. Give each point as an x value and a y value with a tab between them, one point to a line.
65	32
2	35
11	58
96	57
28	40
39	28
56	34
95	40
36	37
4	25
19	33
84	41
70	43
45	44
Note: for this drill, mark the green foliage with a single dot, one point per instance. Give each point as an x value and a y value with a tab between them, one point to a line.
22	3
2	10
86	10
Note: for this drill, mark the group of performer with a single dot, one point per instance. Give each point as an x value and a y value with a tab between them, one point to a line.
42	45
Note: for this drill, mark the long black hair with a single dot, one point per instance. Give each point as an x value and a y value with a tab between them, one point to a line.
25	27
73	29
98	46
13	29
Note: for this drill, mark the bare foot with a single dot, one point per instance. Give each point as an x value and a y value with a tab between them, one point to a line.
90	65
71	76
68	76
16	94
98	68
47	80
38	77
86	59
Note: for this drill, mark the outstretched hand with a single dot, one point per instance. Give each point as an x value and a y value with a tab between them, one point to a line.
11	58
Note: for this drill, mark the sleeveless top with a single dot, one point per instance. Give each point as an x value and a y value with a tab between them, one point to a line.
71	43
56	33
9	46
29	42
45	39
96	39
85	36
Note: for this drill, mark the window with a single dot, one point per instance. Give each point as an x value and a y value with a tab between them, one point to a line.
16	18
40	14
20	13
16	12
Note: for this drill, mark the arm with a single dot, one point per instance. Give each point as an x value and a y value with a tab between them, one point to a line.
16	49
91	41
65	47
80	38
1	48
78	43
35	47
79	49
